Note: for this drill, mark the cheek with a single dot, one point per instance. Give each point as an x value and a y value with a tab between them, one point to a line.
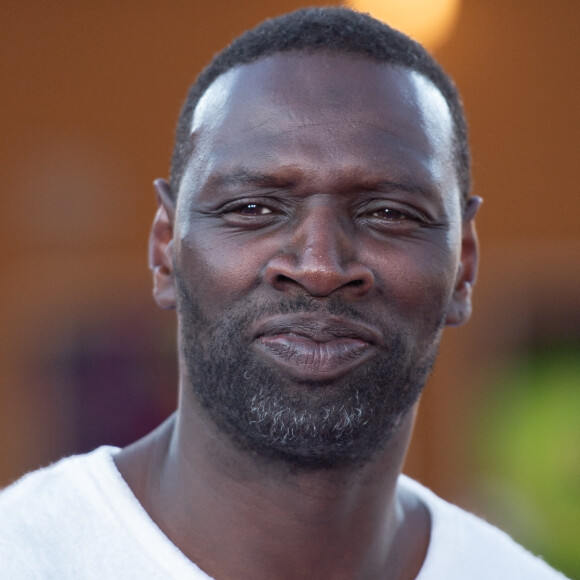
221	269
418	279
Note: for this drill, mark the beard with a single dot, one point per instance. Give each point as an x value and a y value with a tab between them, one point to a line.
308	424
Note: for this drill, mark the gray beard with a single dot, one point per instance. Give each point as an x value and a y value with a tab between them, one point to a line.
321	424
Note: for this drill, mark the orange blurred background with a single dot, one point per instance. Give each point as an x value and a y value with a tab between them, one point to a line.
89	97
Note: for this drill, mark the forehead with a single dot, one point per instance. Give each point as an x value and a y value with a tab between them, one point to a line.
324	105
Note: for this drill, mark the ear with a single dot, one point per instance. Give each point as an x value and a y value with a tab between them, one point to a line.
161	247
460	306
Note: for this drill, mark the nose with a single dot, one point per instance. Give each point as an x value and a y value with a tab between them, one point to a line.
320	257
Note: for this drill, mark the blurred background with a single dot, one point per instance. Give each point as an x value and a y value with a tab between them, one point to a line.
89	97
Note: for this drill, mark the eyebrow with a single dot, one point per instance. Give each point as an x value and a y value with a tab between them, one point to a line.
410	186
243	176
246	177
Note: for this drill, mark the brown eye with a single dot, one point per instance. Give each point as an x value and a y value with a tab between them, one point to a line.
389	214
252	209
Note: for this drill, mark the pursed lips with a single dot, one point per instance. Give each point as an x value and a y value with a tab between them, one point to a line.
316	347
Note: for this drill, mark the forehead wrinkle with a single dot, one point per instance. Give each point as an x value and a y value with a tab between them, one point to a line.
242	176
351	179
397	132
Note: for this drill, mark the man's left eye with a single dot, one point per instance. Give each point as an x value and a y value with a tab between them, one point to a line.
253	209
390	214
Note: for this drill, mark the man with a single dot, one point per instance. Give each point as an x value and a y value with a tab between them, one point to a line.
315	237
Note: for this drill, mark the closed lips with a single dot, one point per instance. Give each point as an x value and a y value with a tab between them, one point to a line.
312	348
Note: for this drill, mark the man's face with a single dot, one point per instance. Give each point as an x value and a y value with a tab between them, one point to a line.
317	252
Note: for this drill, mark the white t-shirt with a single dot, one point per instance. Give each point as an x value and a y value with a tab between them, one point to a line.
78	519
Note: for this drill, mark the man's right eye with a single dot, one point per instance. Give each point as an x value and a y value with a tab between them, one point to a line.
252	209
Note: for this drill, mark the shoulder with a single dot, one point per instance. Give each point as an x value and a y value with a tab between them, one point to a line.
79	519
34	508
51	487
465	546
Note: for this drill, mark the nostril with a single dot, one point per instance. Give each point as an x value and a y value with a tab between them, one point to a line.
355	283
281	279
319	278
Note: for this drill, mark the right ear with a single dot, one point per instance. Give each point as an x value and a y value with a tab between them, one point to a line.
161	247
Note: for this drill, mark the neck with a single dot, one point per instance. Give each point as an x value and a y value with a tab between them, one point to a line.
317	523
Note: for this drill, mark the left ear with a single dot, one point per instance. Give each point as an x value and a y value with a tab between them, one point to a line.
460	305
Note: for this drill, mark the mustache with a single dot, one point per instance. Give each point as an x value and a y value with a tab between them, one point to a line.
304	304
333	306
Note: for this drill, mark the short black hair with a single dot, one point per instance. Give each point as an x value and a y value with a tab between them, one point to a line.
330	29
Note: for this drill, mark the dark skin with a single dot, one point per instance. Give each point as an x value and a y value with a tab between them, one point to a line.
304	184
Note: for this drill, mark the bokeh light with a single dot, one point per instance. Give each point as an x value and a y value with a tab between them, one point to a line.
430	22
